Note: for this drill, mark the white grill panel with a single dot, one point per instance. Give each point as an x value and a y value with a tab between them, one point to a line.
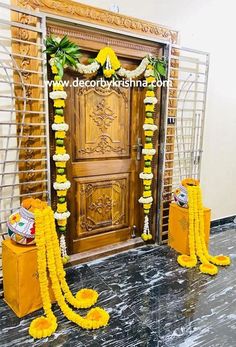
24	140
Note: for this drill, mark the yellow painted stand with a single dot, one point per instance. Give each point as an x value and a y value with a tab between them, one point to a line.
179	226
20	278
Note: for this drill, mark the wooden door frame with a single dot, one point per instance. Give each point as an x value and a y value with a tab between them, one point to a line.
126	48
92	16
95	18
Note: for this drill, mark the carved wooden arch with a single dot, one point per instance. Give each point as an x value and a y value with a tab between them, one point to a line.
90	14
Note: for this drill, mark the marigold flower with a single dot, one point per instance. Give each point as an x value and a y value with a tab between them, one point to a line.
61	164
147	182
108	73
148	157
149	121
86	297
61	192
98	315
186	261
146	237
61	178
59	103
148	133
208	269
62	207
42	327
147	169
54	69
59	119
150	93
104	54
60	134
60	150
149	108
147	206
221	260
62	222
150	79
58	86
148	145
147	193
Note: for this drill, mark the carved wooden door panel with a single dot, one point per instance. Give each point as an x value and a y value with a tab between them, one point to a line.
103	123
103	167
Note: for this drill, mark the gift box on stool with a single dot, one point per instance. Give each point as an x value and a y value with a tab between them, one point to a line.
20	278
179	227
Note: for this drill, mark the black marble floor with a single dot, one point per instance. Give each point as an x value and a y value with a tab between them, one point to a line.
152	302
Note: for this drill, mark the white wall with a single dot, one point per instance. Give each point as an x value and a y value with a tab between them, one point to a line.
206	25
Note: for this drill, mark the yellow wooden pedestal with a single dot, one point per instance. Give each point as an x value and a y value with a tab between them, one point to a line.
179	225
20	278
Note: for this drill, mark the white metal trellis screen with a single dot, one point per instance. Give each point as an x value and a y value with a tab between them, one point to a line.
24	140
183	127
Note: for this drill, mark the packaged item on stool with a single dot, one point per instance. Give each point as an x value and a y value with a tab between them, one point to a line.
20	278
179	226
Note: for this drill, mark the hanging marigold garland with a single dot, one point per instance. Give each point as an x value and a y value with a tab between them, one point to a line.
60	157
108	60
62	53
197	243
148	151
49	258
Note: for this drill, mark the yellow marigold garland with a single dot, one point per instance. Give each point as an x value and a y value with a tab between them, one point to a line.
60	158
49	257
43	326
148	150
85	298
197	243
221	259
108	60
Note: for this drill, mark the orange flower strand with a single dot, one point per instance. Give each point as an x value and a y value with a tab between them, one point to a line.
77	301
84	323
197	243
43	326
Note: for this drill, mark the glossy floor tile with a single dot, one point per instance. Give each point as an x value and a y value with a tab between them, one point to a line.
152	302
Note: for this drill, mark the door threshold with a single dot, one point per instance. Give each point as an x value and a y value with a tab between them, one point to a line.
104	251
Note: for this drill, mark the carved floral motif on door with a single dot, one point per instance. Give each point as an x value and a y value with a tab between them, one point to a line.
103	117
102	204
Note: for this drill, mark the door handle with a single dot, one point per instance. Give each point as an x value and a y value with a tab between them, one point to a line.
139	148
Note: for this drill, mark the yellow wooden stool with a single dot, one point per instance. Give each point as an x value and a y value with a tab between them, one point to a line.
179	226
20	278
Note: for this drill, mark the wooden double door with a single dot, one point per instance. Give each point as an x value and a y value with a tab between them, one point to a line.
105	128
